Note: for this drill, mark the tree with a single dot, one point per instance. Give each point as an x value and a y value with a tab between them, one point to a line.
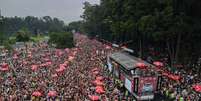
62	39
22	35
35	25
171	27
2	38
76	25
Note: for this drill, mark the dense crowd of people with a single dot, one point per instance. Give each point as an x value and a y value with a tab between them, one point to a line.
41	73
186	86
183	89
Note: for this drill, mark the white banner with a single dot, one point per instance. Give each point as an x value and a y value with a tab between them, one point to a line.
110	67
109	64
128	85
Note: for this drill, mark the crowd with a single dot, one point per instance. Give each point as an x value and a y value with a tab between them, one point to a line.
183	89
41	73
186	86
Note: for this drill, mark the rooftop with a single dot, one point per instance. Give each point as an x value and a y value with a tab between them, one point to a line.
127	61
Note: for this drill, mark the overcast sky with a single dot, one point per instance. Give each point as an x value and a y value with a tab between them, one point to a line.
67	10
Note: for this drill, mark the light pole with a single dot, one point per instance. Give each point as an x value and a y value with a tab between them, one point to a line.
1	28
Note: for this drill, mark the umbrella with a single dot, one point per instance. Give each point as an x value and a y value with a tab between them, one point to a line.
52	93
100	90
98	83
95	72
174	77
59	70
47	59
197	88
4	69
94	97
95	69
165	74
34	67
15	57
43	55
99	87
4	65
54	75
107	47
140	65
30	56
70	58
66	62
74	53
60	53
37	93
48	63
158	64
67	50
25	62
42	65
99	78
62	67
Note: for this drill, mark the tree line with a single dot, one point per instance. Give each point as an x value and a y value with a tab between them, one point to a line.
21	29
171	27
35	25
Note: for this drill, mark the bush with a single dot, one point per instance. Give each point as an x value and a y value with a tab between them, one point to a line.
62	40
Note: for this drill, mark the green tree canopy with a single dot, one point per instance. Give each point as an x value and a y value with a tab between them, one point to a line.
62	39
23	35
